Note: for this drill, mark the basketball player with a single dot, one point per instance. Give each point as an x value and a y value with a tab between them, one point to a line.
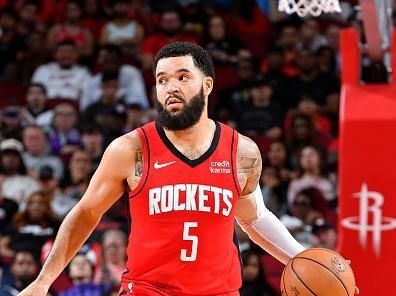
189	177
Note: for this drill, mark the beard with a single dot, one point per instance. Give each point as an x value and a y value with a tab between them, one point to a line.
186	118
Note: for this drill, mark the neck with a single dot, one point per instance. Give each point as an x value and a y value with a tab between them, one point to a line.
313	172
193	135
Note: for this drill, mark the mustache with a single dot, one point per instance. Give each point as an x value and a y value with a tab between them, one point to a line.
173	96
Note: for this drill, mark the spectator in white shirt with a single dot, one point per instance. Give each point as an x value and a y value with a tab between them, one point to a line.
63	78
15	184
313	165
130	80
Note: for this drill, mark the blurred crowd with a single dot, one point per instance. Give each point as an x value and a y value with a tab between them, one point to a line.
74	75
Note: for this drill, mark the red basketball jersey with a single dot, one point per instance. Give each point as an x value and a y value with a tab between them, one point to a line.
182	237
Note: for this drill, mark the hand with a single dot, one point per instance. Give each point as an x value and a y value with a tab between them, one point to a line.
357	291
34	289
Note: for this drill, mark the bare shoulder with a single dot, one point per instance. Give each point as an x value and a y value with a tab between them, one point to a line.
247	147
249	164
126	144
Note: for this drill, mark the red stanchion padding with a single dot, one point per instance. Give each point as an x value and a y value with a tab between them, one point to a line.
367	175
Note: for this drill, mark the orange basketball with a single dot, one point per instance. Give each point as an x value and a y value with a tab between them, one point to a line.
320	272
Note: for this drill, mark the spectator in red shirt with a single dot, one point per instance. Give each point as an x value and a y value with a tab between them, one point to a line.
252	26
170	31
72	29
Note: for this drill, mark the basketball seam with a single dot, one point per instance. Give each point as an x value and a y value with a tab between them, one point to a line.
328	270
295	273
283	282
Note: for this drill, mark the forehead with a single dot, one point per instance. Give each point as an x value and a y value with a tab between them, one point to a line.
175	64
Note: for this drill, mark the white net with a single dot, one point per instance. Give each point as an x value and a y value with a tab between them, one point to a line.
312	7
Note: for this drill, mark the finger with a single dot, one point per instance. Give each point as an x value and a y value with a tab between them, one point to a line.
357	291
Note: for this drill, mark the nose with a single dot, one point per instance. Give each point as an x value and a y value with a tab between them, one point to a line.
173	86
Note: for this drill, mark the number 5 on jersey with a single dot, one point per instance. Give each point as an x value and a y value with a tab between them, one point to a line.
194	241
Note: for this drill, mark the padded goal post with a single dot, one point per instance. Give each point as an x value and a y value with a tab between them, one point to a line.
367	172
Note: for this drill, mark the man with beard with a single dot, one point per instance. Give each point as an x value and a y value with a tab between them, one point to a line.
24	269
188	178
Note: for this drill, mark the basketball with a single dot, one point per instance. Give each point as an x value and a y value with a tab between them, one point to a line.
320	272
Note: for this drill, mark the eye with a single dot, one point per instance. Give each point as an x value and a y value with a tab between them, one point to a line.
161	80
184	78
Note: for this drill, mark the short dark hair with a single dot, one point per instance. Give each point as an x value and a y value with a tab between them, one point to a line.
111	48
39	85
109	76
200	56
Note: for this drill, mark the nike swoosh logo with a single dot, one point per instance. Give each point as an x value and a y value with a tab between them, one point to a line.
160	166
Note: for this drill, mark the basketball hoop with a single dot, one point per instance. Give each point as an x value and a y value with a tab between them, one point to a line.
312	7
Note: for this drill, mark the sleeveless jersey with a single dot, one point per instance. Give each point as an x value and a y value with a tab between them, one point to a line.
182	239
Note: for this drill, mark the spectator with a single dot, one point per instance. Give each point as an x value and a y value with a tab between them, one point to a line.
310	37
11	122
274	193
72	30
313	167
28	20
300	134
93	142
24	270
114	245
35	55
15	183
277	157
80	272
252	26
130	80
222	48
93	17
122	30
77	177
247	69
326	234
310	82
307	106
274	69
12	46
8	208
64	137
302	218
137	117
327	62
287	41
332	36
31	228
109	99
254	283
194	16
171	30
36	111
63	78
259	116
36	153
61	203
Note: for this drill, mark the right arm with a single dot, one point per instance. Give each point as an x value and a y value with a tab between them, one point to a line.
107	185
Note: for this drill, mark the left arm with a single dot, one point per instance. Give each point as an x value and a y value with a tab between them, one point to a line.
254	218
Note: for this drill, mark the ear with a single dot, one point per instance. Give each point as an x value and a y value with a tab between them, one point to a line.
207	85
